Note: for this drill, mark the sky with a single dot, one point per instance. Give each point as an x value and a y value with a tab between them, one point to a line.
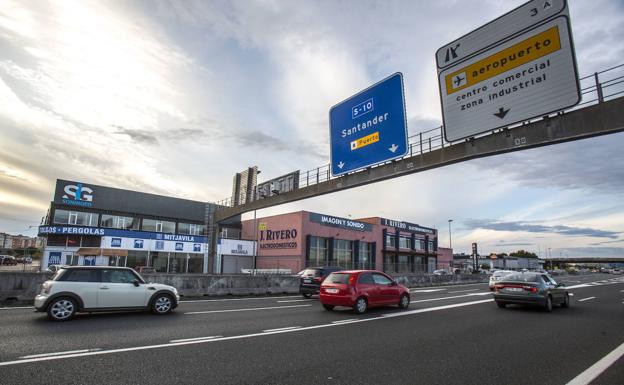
175	97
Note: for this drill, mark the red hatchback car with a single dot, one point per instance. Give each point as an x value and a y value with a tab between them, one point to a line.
361	289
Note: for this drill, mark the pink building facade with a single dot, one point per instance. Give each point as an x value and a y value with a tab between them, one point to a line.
302	239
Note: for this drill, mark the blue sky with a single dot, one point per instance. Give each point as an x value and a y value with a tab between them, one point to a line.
174	97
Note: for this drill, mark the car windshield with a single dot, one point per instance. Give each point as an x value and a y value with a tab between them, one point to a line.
338	278
58	274
501	273
520	277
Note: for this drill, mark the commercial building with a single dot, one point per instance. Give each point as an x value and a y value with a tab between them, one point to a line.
95	225
293	241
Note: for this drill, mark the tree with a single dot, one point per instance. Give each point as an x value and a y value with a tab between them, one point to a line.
523	254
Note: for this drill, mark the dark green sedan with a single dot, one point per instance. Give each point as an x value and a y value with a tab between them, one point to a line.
528	288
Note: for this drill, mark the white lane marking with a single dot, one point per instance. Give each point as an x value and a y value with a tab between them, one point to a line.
429	309
578	286
17	307
621	291
425	290
598	368
60	353
343	321
462	291
250	309
139	348
451	297
586	299
194	339
296	300
281	329
238	299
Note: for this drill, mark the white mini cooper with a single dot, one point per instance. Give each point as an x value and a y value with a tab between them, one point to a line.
102	288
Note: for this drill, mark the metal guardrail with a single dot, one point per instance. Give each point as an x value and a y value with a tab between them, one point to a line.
594	89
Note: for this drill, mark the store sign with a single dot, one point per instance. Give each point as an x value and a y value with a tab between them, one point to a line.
78	195
343	223
406	226
81	230
131	243
278	239
115	242
235	247
54	258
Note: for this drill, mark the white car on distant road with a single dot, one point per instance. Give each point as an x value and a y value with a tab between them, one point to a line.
497	276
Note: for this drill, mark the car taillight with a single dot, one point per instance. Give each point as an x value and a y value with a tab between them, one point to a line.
498	287
46	287
532	289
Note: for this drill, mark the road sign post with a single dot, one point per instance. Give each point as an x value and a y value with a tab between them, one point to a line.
369	127
515	68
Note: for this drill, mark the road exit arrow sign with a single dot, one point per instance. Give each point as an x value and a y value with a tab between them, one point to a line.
515	68
369	127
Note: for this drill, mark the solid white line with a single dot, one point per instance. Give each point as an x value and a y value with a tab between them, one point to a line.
429	309
59	353
598	368
462	291
195	339
281	329
425	291
250	309
238	299
586	299
139	348
17	307
296	300
345	321
578	286
452	297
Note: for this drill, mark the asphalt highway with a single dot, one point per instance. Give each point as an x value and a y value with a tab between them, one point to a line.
449	335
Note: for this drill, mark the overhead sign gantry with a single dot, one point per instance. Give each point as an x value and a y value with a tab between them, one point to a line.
515	68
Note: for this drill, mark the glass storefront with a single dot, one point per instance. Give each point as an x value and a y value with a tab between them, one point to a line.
318	252
343	253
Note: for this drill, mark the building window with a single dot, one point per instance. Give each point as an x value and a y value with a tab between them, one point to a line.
190	228
78	218
365	255
343	252
405	243
318	252
120	222
158	226
389	241
431	246
404	265
390	263
420	244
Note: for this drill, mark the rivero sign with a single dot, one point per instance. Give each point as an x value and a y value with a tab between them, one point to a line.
369	127
515	68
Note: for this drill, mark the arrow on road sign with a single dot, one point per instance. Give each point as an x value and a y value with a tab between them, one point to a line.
340	165
502	112
393	148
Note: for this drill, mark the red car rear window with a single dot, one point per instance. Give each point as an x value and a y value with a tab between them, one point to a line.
338	278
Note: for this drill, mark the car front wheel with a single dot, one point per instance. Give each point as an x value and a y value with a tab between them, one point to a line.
163	304
404	301
62	309
566	301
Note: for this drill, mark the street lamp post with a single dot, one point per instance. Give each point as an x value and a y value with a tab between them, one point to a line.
450	243
255	225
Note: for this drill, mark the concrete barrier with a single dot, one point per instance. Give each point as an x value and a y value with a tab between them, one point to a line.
24	286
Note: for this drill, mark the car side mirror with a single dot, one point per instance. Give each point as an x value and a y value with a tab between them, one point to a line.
136	283
394	283
561	284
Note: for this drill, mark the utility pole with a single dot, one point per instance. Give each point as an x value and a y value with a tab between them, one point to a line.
450	243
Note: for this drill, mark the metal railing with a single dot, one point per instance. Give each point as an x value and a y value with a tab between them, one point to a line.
594	89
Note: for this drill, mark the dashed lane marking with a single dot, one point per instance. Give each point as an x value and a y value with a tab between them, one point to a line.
296	300
586	299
